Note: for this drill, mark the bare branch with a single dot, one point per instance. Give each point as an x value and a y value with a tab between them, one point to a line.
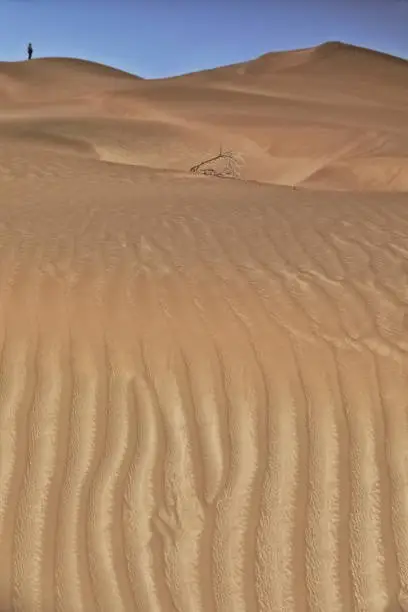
231	168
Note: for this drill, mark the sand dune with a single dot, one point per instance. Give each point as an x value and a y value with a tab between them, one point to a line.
314	118
203	382
50	80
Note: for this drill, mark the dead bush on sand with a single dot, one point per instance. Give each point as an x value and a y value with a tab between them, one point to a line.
227	165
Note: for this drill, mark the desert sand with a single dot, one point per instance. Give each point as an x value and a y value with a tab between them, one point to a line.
203	380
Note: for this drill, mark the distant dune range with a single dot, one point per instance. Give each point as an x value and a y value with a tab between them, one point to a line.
204	382
331	117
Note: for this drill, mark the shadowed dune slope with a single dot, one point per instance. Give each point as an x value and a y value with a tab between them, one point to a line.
330	117
203	392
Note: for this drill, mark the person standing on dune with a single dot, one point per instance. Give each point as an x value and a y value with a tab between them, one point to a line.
30	50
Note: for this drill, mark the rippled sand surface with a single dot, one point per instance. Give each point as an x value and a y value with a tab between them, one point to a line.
203	390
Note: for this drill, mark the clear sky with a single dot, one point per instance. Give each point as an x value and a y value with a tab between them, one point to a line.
158	38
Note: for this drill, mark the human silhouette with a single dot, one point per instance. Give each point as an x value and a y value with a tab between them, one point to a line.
30	50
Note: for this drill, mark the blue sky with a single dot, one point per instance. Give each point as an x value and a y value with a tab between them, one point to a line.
158	38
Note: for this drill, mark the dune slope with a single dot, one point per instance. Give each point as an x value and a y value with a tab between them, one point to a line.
331	117
203	382
202	393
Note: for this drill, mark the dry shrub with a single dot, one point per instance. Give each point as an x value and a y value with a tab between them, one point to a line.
230	168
